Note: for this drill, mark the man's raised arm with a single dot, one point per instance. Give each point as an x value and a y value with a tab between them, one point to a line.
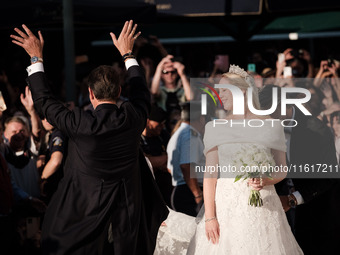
57	114
46	105
139	94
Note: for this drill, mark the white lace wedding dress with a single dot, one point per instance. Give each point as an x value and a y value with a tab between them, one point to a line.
244	229
174	236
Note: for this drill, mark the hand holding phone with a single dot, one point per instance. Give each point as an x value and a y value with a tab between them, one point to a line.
3	106
287	72
251	68
280	57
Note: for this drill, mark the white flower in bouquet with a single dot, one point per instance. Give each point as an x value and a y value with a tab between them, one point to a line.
254	162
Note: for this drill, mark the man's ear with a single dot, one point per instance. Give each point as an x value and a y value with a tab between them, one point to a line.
91	94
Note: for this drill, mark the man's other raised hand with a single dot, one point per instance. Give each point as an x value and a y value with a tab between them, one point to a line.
29	42
126	39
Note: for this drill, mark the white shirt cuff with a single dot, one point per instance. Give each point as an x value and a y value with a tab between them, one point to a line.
130	62
34	68
39	67
298	197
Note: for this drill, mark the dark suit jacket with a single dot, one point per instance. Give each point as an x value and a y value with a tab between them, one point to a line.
6	192
102	177
317	222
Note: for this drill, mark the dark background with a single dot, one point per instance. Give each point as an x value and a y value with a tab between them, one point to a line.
237	21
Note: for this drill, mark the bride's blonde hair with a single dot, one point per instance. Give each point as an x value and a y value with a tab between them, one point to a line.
244	83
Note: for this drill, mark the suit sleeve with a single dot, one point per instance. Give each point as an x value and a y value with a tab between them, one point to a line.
314	187
53	110
139	94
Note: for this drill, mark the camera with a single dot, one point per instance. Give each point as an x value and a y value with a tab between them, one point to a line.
177	59
296	53
330	62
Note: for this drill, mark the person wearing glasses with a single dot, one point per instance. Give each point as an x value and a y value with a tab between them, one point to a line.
170	86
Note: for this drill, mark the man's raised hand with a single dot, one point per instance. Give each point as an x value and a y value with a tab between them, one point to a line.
126	39
29	42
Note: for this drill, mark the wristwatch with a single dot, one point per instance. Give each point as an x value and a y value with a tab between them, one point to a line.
35	59
292	201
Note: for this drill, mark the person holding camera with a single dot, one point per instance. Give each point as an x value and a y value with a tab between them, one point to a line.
294	64
166	91
328	73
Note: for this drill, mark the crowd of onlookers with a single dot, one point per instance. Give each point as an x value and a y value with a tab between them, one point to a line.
33	152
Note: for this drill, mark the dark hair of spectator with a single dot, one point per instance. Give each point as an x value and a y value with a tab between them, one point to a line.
104	82
335	115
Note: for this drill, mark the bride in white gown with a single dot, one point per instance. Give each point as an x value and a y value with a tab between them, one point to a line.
230	225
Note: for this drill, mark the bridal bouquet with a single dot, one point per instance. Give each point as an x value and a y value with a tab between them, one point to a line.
254	162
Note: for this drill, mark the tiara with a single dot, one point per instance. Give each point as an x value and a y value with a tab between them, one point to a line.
238	70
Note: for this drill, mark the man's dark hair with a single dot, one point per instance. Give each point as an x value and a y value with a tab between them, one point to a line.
266	96
104	82
157	114
191	111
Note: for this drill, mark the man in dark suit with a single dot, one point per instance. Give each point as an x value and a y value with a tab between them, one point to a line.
102	183
316	201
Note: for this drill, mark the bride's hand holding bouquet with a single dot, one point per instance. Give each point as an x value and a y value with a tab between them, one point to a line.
259	183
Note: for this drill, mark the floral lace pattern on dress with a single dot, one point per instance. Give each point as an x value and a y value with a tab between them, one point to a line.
244	229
